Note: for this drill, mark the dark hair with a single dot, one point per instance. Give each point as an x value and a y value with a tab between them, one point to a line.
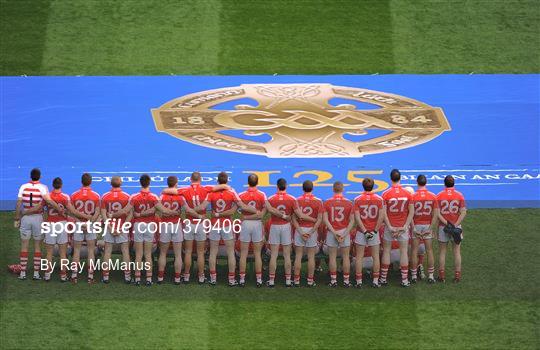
253	180
282	184
395	175
222	178
86	179
449	181
57	183
421	180
116	181
307	186
195	176
338	187
368	184
35	174
172	181
144	180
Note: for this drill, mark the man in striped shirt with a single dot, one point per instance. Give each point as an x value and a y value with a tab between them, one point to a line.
32	197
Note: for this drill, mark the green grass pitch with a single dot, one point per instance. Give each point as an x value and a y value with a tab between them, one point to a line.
162	37
496	306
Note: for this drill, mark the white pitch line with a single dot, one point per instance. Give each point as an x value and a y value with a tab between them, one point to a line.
470	184
462	170
153	172
139	186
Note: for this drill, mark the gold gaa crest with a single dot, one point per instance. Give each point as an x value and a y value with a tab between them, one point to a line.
300	120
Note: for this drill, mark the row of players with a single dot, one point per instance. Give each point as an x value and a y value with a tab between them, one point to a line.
397	216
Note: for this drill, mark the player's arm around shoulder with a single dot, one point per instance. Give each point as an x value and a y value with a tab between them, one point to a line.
189	211
75	213
274	211
50	202
298	212
159	207
241	205
204	204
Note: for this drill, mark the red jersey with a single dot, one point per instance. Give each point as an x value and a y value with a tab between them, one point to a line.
221	201
62	200
283	202
450	202
310	206
369	205
115	200
143	201
397	202
254	198
339	210
173	202
194	195
424	204
85	201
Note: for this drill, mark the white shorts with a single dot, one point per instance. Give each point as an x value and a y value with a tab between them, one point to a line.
121	238
84	236
251	231
311	242
58	238
403	236
423	228
331	240
144	231
280	234
194	232
171	232
223	233
31	227
443	237
361	239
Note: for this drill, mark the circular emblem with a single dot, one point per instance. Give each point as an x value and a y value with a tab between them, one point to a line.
300	121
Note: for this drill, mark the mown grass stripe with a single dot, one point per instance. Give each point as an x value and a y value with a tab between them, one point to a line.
23	25
474	36
132	38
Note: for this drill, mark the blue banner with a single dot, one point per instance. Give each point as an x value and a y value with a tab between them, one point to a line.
483	129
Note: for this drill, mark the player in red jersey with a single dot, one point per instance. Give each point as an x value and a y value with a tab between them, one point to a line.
399	214
143	206
86	202
171	230
339	220
193	229
144	228
32	197
281	207
425	217
60	218
251	230
113	206
452	209
306	233
369	215
223	205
